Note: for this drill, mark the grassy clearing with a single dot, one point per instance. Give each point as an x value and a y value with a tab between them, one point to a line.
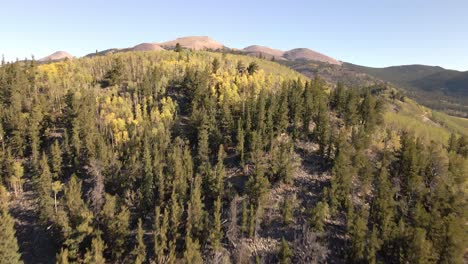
410	116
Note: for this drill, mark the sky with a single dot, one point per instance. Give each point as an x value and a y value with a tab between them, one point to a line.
375	33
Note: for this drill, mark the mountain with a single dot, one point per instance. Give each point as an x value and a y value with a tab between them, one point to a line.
299	54
146	47
307	54
433	86
59	55
277	143
262	51
193	42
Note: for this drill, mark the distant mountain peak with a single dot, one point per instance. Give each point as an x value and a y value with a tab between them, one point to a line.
308	54
194	42
58	55
267	52
147	47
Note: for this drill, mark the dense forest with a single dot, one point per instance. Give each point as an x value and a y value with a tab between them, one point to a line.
203	157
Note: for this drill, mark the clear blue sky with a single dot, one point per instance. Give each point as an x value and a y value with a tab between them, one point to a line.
367	32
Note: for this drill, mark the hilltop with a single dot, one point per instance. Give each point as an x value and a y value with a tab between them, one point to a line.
59	55
194	42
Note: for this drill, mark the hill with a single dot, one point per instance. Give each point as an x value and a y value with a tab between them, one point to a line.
221	158
59	55
263	51
299	54
193	42
309	55
147	47
433	86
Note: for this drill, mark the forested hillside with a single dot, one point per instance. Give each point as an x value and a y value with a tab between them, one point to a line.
434	87
202	157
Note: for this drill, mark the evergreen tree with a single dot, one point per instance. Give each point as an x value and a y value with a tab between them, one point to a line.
322	126
195	209
44	189
178	47
80	217
252	68
95	254
9	250
215	65
62	257
116	220
139	252
216	232
373	246
358	238
420	249
56	161
284	254
240	141
341	175
288	210
319	215
383	204
192	252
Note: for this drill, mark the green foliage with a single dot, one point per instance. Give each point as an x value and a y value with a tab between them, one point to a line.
9	250
182	133
319	214
44	190
287	209
95	254
116	225
139	253
285	253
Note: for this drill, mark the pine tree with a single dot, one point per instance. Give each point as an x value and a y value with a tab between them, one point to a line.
252	68
284	254
16	177
139	252
216	232
341	175
158	248
219	174
44	189
192	252
79	215
240	141
281	119
56	161
9	250
62	257
178	47
420	249
195	210
203	147
319	215
322	126
358	238
95	254
383	204
373	246
215	65
116	221
308	109
148	179
288	210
